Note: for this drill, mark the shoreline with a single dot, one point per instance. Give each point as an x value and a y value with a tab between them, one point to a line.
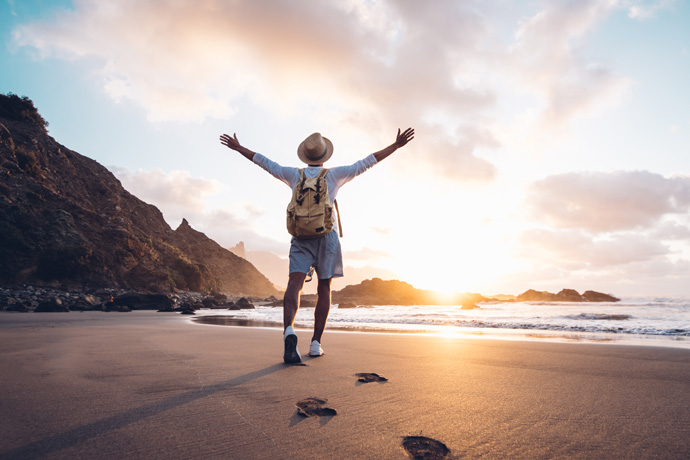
145	386
11	319
453	332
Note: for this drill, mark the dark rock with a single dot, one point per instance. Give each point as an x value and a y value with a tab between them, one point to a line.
392	292
209	302
219	297
536	296
565	295
123	308
19	307
144	301
80	305
593	296
189	307
51	307
244	304
347	305
568	295
232	306
276	303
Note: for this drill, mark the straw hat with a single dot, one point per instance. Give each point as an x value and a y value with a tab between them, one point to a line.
315	149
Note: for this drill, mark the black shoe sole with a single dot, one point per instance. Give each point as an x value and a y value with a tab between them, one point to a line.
290	356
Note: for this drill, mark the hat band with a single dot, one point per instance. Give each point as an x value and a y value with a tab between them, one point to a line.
325	151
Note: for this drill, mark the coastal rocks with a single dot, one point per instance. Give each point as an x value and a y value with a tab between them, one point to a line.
347	305
565	295
593	296
144	301
187	309
568	295
241	304
53	306
19	307
29	298
244	304
392	292
211	303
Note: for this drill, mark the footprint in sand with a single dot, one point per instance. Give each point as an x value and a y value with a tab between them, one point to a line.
423	448
314	406
366	377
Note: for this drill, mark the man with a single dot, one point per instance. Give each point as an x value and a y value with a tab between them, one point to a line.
323	253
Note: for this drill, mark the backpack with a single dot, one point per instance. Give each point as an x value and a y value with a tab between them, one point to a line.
310	212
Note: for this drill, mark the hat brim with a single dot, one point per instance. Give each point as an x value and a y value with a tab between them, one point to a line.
301	153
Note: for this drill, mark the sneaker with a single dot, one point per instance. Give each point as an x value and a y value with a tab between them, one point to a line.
291	354
315	349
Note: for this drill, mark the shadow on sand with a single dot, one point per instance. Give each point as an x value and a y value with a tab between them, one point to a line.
77	435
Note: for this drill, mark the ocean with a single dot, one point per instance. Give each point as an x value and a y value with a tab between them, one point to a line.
652	321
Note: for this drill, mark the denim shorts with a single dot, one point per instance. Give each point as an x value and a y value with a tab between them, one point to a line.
322	253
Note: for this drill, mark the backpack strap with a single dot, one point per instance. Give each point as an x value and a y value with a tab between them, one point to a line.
319	178
322	175
337	211
299	188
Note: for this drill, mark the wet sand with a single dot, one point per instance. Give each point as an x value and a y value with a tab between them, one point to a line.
148	385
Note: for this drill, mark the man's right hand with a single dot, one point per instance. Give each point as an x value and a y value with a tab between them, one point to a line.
230	142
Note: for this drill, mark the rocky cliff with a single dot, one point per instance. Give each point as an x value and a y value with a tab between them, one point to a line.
65	220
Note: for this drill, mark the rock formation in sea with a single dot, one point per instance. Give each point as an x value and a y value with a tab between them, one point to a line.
392	292
66	221
565	295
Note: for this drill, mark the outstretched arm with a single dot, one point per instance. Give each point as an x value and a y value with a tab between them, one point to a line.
400	141
234	144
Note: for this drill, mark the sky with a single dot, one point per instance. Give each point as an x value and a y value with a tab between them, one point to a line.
552	144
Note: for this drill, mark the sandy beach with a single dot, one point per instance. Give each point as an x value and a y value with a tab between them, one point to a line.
147	385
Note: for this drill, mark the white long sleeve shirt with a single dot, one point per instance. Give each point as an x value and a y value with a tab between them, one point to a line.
335	178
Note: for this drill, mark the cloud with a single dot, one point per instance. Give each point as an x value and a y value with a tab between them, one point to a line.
671	231
176	192
606	202
574	249
357	65
549	55
644	10
393	62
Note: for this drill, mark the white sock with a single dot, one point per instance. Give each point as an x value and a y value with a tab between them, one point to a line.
289	331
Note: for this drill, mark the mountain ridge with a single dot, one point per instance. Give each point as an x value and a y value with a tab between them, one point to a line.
66	220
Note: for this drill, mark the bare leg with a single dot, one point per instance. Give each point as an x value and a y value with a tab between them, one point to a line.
323	307
291	299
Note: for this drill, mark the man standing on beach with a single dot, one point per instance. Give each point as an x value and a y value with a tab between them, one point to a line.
323	253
